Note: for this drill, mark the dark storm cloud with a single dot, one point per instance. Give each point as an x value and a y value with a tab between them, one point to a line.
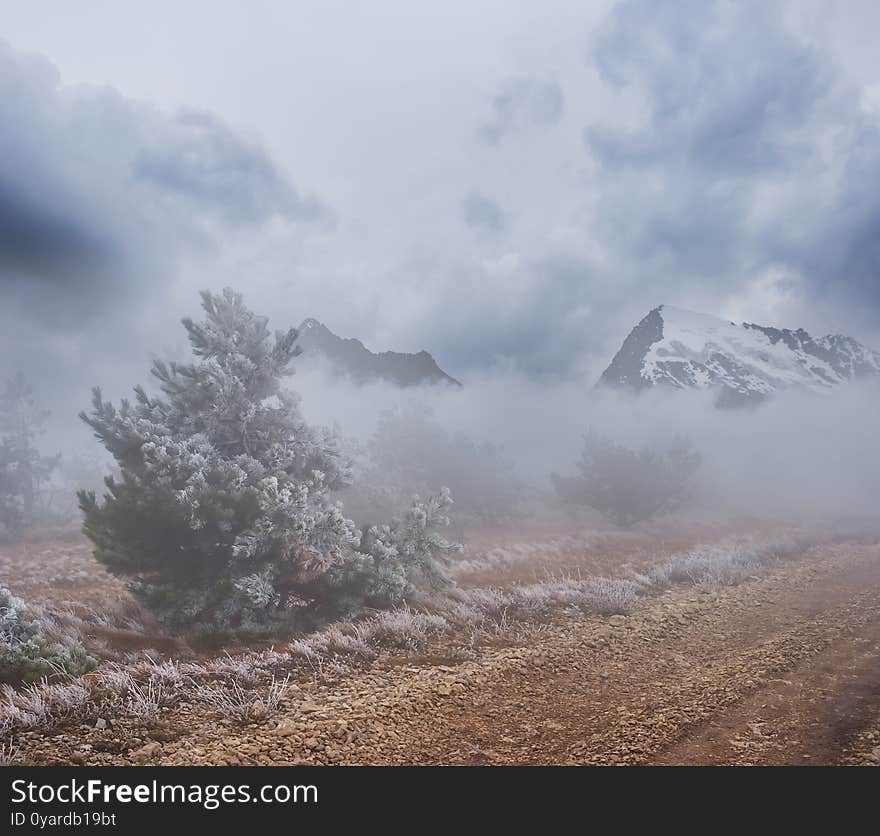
100	196
522	103
104	204
841	252
43	241
738	114
484	215
727	88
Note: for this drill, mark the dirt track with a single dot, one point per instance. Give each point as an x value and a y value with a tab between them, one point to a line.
780	670
783	669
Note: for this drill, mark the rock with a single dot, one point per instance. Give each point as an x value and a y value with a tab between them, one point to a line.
755	729
285	728
146	752
617	620
100	724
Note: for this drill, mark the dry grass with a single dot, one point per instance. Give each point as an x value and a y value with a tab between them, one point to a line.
401	629
232	702
145	701
8	753
726	564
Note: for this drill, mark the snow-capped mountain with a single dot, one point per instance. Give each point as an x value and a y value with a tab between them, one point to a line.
351	358
745	362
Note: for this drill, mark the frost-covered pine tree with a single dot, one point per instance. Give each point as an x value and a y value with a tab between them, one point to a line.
22	468
222	516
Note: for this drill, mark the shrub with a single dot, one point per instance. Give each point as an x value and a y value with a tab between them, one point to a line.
221	516
26	654
628	486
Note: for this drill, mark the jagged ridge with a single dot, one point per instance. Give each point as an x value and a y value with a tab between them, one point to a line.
351	358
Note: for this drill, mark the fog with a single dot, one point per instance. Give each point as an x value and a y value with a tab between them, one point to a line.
798	456
795	456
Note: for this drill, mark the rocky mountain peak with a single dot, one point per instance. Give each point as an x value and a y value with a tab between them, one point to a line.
352	359
745	362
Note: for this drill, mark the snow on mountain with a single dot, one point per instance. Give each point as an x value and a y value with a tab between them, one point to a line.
745	362
351	358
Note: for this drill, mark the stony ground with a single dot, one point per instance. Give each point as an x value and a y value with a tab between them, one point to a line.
783	669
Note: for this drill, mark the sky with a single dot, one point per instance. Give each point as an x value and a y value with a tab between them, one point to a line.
509	185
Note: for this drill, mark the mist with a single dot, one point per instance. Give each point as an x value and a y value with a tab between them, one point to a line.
795	456
798	456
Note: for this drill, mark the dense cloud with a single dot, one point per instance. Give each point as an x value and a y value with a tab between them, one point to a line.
39	240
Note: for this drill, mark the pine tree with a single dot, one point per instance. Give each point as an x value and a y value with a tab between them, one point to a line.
222	516
22	469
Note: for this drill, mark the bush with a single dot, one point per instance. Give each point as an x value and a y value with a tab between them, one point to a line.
628	486
26	654
221	517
